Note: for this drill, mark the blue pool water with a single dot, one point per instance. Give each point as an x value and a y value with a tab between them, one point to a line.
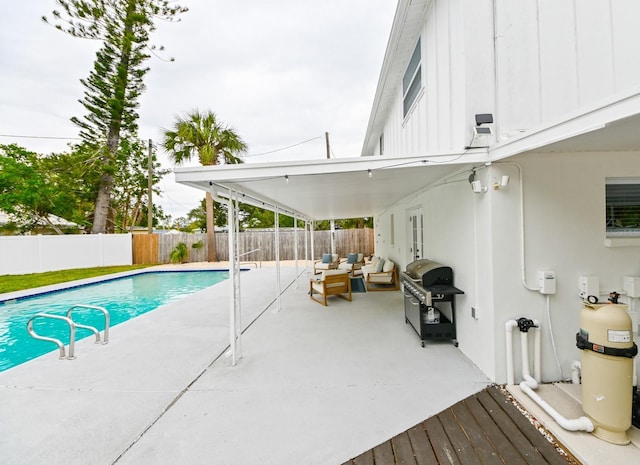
124	298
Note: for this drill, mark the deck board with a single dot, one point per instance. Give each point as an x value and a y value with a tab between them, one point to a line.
484	429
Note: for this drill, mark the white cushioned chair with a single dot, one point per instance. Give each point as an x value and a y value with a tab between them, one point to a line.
332	282
381	275
352	264
328	262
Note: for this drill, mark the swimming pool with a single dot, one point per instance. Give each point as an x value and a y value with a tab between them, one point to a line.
124	298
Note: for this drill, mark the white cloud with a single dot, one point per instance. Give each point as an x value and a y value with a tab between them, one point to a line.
279	72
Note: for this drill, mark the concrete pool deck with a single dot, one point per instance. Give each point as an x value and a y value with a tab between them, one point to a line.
316	385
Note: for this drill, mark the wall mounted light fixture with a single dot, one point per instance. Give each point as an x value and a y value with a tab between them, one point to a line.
481	133
478	188
504	182
370	173
479	129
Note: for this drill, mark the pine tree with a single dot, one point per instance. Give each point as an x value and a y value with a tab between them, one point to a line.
116	81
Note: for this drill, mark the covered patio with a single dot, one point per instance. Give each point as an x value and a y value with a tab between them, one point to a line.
316	385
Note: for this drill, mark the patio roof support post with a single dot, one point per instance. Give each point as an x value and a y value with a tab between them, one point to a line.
295	245
313	246
277	247
234	273
333	236
306	245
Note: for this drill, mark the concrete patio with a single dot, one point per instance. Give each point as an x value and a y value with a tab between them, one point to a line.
316	385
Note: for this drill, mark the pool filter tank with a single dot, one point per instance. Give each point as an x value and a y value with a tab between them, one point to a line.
606	342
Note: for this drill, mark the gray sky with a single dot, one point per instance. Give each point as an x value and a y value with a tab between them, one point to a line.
279	72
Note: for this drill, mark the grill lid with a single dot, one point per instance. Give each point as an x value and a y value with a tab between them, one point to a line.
430	273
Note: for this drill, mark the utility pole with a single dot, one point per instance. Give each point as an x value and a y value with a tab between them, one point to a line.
150	187
326	138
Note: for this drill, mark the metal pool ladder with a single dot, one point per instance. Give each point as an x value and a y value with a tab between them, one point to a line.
72	328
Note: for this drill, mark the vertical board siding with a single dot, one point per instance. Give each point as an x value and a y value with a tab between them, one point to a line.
255	246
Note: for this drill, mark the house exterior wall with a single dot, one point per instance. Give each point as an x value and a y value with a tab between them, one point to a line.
549	60
481	237
554	57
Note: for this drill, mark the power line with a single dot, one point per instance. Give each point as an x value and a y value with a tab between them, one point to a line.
40	137
283	148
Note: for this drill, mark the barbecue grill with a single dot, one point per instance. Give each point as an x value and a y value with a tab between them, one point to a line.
429	300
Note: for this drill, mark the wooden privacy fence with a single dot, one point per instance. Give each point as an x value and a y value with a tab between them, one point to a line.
255	245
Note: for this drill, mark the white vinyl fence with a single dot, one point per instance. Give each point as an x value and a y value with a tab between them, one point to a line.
37	254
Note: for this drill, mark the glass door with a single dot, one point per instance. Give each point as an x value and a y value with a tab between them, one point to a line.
416	239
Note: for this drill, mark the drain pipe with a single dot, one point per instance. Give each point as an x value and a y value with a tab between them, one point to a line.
529	384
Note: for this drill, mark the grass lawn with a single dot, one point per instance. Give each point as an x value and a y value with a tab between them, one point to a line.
10	283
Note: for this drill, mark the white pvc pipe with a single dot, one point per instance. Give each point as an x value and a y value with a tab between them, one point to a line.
508	326
577	424
537	352
524	348
576	368
529	384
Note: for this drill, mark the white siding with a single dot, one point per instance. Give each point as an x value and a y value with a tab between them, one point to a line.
558	57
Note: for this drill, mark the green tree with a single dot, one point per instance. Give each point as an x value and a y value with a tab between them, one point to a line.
116	82
29	191
202	135
131	186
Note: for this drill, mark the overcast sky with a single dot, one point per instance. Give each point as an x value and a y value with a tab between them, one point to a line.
280	72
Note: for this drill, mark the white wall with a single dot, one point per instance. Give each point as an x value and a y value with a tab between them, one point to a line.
37	254
454	32
556	56
564	216
479	236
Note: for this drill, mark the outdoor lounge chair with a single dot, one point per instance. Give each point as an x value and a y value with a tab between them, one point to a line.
352	264
328	262
332	282
381	275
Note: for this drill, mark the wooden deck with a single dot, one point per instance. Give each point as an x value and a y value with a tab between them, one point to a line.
484	429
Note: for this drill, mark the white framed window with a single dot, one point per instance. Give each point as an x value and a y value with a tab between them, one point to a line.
412	80
622	207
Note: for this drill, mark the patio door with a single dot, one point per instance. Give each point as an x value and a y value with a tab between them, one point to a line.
416	237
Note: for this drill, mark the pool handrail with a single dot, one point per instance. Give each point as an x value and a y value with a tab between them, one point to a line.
72	333
107	320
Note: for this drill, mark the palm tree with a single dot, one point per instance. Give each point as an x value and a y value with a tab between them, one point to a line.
214	143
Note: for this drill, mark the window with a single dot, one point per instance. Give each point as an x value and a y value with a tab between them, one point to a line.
382	144
623	207
412	80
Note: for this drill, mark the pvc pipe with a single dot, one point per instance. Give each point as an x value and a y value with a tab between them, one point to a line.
576	367
508	326
529	384
577	424
524	348
537	352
